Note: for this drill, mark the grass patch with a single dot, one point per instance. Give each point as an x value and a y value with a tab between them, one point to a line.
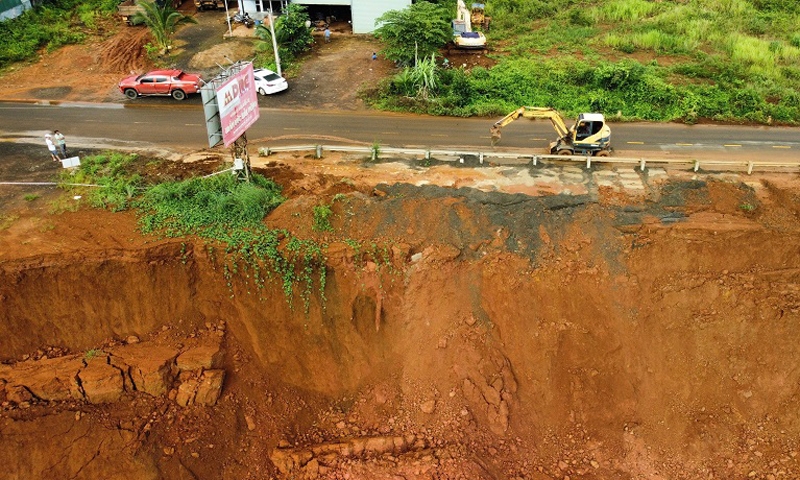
724	60
51	25
7	220
224	212
322	218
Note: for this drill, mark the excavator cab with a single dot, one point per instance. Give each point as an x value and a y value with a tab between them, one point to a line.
590	134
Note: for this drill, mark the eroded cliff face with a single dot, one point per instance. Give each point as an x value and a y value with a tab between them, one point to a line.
499	337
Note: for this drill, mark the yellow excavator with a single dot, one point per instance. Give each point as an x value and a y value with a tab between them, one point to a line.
590	135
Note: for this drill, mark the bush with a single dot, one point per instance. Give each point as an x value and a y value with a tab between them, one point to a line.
50	26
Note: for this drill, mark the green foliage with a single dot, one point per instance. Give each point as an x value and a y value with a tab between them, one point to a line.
418	30
291	35
117	188
49	26
220	210
322	218
788	6
207	206
725	60
162	21
29	197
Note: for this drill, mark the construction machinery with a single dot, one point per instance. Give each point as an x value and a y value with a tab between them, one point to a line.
478	16
463	36
590	135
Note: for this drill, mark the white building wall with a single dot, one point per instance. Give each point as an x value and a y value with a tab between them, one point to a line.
324	2
365	12
13	8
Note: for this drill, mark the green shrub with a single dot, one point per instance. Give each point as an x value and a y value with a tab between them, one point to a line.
49	26
322	218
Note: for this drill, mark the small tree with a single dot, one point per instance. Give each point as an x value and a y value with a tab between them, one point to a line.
291	33
162	22
421	28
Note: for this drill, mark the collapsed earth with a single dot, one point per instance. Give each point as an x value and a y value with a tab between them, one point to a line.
411	319
455	331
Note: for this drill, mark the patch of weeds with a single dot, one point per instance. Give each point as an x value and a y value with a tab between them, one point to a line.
31	197
90	354
354	244
47	227
184	254
322	218
7	220
63	204
747	207
376	151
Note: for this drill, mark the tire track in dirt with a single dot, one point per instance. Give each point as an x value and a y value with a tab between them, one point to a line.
125	52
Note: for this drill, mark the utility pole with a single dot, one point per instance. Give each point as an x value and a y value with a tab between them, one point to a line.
228	19
274	41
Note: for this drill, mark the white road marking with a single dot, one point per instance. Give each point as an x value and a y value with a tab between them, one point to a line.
635	143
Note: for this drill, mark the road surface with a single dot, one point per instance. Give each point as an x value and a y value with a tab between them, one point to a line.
183	126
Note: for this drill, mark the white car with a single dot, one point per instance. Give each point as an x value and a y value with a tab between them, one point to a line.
269	82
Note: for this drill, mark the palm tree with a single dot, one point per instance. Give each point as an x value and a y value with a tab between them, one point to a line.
162	22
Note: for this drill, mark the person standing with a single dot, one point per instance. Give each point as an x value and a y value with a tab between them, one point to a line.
61	143
327	35
48	139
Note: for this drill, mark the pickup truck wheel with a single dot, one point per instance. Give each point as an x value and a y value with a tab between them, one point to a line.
131	93
178	94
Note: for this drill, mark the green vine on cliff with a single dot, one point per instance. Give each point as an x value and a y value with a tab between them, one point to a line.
222	211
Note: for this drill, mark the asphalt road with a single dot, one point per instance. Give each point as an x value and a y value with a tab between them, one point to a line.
183	126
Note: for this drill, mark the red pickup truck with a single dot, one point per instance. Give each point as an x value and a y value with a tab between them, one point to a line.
175	83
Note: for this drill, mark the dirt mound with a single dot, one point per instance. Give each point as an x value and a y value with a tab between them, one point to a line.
462	334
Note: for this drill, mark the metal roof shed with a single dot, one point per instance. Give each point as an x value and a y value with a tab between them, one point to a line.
364	12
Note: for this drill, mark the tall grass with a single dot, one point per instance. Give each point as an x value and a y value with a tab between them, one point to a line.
625	11
725	60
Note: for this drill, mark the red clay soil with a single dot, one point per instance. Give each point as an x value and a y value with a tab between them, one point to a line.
504	334
495	335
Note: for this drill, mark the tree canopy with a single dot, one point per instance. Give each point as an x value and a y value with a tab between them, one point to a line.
162	22
291	33
418	30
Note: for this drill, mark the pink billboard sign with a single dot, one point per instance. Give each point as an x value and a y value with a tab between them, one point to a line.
238	104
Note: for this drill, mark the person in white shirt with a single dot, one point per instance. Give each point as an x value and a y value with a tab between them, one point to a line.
48	139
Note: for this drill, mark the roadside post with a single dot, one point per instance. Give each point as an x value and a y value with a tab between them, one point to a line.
230	105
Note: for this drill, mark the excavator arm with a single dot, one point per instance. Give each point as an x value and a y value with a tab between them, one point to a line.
533	113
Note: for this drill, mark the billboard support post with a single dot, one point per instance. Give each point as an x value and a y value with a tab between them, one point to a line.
239	151
230	104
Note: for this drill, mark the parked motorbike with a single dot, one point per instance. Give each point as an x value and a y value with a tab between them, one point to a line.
243	18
